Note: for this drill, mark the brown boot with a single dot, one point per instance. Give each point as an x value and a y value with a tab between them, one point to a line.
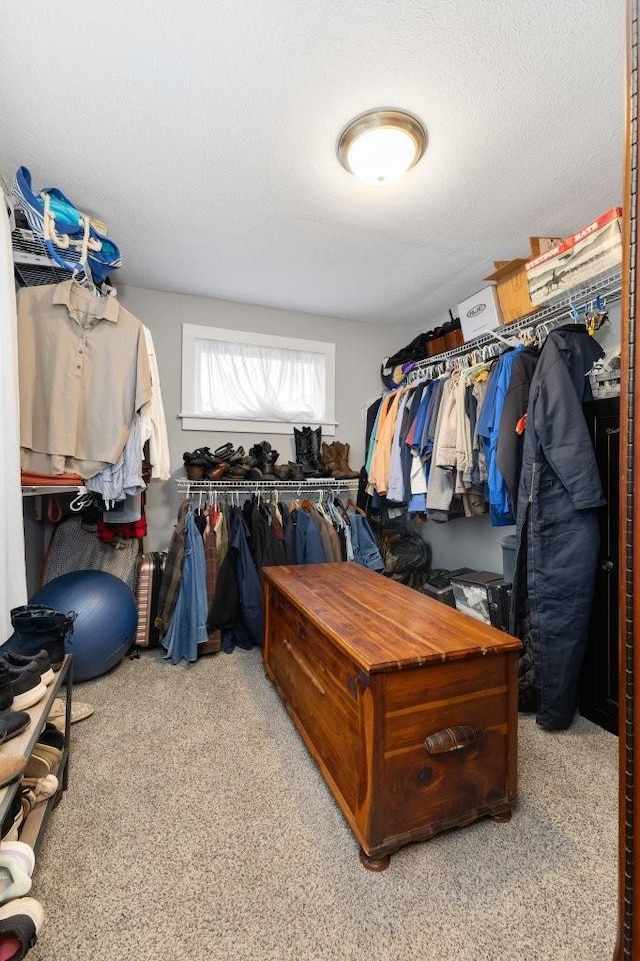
342	462
329	459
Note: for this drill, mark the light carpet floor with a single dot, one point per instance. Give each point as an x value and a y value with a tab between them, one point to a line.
196	827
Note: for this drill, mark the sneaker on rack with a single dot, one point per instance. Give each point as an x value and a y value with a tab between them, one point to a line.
12	820
41	658
13	723
22	852
20	924
42	787
51	755
6	692
26	687
51	736
16	867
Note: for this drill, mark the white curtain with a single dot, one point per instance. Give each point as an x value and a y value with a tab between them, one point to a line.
13	586
247	381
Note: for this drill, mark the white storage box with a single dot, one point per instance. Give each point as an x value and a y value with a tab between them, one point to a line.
480	314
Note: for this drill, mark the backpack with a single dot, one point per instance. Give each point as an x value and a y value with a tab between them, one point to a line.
404	550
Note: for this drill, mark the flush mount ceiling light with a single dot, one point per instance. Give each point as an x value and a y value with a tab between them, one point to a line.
381	145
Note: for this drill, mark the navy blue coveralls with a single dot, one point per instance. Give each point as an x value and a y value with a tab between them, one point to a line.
557	523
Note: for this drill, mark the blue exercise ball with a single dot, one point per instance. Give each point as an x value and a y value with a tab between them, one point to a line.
107	617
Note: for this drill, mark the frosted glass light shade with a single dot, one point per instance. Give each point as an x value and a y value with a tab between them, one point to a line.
380	146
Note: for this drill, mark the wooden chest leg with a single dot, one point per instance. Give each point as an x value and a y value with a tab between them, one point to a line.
501	818
374	864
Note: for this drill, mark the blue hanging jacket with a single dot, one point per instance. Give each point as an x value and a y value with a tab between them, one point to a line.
488	429
188	625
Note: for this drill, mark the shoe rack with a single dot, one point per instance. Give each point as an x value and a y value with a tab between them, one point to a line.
32	827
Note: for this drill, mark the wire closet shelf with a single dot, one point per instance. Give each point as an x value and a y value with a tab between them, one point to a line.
186	486
607	286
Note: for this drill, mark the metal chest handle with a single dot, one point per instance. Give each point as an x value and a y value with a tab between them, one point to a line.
450	739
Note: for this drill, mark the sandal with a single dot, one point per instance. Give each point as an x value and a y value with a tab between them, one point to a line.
223	452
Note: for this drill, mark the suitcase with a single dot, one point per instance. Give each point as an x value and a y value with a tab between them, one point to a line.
150	567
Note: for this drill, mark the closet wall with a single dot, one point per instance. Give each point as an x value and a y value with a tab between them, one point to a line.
359	352
472	541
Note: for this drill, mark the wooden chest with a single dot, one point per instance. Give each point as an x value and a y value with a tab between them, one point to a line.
408	706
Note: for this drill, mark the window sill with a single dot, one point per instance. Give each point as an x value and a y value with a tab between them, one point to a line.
222	425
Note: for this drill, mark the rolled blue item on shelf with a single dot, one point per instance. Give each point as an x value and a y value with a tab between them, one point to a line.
68	225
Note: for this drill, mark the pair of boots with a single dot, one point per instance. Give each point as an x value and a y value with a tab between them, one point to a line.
336	457
263	463
202	464
39	628
308	443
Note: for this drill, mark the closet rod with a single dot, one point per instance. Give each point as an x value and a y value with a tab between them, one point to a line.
608	285
37	490
186	486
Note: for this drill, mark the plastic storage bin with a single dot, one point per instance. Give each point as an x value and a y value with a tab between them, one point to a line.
470	592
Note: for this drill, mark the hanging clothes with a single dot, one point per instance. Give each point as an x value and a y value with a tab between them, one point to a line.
510	438
84	373
172	574
290	536
488	428
212	568
225	610
116	482
188	624
248	583
277	533
154	425
381	461
395	486
557	522
309	546
441	474
265	548
373	422
406	458
365	548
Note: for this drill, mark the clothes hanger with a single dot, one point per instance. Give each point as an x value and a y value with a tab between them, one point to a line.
81	276
507	341
83	498
320	507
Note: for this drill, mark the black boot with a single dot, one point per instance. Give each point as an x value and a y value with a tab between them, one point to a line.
315	443
269	459
304	452
39	628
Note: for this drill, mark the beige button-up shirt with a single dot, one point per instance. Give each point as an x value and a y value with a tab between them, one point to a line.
84	372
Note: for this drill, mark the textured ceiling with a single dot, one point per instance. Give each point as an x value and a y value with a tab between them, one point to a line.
204	134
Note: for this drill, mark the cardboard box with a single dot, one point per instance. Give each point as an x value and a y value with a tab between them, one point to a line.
510	278
480	314
591	251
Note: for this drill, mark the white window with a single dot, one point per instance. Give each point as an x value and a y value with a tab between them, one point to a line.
259	383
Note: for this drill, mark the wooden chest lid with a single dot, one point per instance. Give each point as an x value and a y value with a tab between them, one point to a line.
380	624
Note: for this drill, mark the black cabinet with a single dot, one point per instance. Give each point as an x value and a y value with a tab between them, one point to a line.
599	682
